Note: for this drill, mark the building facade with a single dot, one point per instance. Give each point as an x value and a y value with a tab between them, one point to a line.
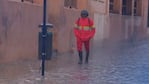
115	20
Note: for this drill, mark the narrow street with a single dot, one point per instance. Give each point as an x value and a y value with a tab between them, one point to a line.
109	64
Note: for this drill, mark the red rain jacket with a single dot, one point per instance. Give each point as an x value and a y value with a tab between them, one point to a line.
84	29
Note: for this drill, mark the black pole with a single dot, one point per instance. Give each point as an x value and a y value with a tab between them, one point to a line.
44	35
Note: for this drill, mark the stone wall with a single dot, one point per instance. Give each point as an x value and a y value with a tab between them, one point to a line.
19	30
124	27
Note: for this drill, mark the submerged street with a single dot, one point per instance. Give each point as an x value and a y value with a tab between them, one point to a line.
123	63
119	51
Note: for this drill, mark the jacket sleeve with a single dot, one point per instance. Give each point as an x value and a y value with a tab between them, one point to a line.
92	33
76	31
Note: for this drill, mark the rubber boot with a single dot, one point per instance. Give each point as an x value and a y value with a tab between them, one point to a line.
80	57
87	56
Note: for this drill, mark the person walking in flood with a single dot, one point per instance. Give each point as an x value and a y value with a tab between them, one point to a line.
84	30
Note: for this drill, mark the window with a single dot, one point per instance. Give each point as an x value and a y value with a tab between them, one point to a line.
70	3
114	6
111	5
137	7
127	7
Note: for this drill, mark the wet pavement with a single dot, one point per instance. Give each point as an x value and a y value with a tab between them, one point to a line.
124	63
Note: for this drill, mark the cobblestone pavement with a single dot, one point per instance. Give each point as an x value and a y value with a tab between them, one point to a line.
109	64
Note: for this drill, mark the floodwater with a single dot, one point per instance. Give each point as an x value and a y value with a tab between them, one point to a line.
123	63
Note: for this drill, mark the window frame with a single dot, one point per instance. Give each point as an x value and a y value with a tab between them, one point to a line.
126	7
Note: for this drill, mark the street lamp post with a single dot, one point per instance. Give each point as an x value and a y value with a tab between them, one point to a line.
44	33
44	37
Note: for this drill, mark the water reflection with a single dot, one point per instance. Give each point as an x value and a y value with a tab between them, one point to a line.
120	64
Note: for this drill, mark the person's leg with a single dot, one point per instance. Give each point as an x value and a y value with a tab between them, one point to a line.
87	47
79	47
